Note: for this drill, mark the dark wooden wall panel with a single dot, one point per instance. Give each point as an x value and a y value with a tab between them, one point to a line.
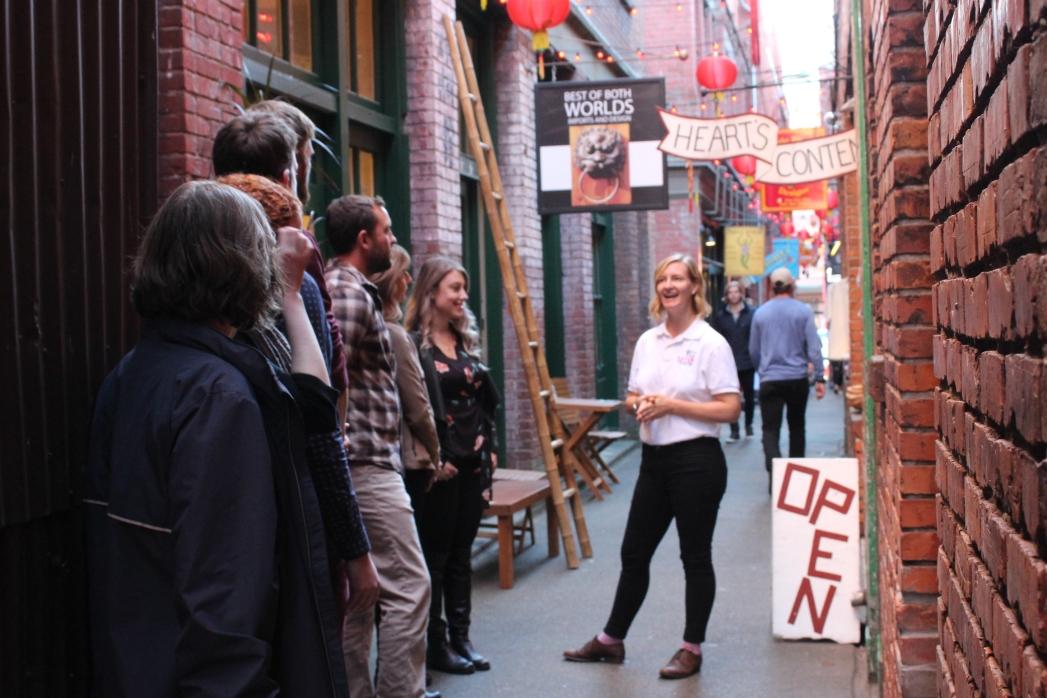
78	126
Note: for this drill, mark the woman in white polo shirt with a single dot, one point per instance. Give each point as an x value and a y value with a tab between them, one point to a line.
682	386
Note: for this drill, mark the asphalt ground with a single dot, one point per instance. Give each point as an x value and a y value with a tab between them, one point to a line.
524	630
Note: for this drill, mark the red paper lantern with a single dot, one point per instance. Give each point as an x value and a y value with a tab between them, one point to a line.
744	164
822	214
716	72
538	16
834	199
787	229
829	231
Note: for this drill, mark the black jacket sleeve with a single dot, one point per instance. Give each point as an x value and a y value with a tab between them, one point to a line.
224	518
329	466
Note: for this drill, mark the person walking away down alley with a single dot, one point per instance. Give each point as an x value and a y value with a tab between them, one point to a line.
445	331
360	233
683	384
207	561
783	342
734	322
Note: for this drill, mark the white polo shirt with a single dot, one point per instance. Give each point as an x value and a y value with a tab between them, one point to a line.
694	366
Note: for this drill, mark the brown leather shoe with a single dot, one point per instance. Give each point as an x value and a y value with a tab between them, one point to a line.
596	651
683	664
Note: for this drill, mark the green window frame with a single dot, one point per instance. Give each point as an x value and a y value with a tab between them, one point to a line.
377	157
552	285
605	320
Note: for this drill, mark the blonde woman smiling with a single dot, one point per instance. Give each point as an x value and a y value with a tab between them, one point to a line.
445	330
682	386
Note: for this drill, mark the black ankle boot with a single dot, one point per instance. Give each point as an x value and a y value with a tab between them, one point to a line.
440	656
460	644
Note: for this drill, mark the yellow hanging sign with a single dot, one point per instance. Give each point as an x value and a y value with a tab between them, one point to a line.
743	250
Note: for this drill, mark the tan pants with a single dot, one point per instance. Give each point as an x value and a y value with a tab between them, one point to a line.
403	602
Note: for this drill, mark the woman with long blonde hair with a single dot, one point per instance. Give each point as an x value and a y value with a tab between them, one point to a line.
445	331
682	386
419	441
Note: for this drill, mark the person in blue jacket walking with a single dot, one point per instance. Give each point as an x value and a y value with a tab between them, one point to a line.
784	345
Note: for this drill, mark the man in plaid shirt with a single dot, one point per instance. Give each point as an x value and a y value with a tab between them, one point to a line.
360	232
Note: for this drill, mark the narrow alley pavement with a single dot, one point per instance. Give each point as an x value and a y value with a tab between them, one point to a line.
524	630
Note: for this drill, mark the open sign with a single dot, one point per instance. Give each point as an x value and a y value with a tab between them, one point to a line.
816	553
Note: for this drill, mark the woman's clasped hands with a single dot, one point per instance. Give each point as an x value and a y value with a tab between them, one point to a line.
653	406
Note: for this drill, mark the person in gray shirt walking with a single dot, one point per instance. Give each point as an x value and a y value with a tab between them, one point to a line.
783	344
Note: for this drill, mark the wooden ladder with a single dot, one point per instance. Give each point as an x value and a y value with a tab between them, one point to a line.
551	435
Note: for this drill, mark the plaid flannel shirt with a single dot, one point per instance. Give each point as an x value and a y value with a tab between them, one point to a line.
374	403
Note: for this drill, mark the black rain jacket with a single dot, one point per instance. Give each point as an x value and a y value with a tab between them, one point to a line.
207	562
736	332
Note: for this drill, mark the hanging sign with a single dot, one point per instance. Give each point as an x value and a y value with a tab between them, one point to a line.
795	197
815	553
797	162
743	250
785	252
598	146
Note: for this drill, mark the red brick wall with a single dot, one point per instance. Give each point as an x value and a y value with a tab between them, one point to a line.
431	124
514	78
673	230
633	270
200	49
900	230
989	200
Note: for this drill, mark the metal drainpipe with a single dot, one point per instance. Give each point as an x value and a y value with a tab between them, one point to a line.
871	517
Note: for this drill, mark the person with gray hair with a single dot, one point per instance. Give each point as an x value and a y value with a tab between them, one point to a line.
207	559
305	132
783	344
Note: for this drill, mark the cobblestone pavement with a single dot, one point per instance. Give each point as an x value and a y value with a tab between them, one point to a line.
525	629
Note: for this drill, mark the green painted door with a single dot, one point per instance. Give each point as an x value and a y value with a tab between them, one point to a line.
485	289
605	325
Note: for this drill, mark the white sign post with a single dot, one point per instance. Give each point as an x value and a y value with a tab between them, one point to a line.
816	556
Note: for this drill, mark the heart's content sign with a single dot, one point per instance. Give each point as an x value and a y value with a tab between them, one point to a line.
778	162
815	554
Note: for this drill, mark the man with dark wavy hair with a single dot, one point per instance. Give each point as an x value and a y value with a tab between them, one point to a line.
360	231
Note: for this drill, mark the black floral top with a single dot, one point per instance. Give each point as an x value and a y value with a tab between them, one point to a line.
469	401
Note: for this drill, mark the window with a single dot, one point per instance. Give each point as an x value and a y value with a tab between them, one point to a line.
362	52
373	78
283	28
362	171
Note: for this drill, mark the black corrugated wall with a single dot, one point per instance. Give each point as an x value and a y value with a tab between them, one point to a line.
78	82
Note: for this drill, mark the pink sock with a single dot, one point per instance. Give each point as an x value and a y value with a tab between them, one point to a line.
691	647
605	639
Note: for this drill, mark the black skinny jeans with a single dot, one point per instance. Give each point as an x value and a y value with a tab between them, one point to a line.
745	379
776	396
683	481
447	526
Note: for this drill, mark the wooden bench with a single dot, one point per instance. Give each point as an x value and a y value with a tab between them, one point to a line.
514	491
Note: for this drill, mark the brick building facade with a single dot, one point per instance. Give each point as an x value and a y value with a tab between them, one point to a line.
959	225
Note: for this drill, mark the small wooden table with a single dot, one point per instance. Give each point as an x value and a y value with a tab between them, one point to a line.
508	497
590	410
